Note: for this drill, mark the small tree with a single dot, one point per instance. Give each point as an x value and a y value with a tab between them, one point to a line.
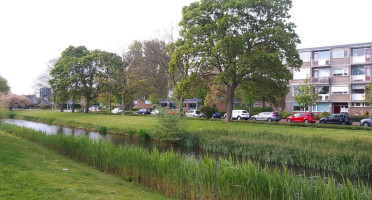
368	95
306	95
170	128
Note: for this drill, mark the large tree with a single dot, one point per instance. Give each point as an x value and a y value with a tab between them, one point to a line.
239	40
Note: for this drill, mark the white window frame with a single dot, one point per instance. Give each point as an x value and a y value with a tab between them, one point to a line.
345	71
301	74
333	87
306	56
344	51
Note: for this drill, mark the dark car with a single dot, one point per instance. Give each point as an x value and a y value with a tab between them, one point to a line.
217	115
366	122
303	117
143	111
343	119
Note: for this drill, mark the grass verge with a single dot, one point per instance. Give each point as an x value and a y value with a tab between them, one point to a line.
29	171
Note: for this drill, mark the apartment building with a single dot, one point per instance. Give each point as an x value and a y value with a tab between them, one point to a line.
340	75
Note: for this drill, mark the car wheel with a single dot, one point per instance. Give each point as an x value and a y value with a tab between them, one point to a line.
306	121
239	118
322	122
254	119
365	124
289	121
269	119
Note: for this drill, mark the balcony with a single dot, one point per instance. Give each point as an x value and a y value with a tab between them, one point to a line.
359	59
357	97
321	80
323	97
321	62
358	78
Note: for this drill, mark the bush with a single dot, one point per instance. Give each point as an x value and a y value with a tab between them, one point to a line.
285	114
208	111
102	130
143	135
12	115
169	128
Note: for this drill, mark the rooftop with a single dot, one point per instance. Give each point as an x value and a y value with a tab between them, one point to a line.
336	46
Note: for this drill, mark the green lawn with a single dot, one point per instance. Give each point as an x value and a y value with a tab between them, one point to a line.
147	122
29	171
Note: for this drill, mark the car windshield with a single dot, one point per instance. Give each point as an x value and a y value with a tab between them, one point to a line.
311	114
197	112
244	111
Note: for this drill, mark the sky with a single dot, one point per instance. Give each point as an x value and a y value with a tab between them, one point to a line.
34	32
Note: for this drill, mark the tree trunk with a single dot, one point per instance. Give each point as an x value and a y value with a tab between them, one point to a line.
110	104
61	107
87	106
263	103
230	103
122	105
180	106
73	105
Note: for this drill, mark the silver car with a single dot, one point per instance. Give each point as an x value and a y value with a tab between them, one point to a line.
267	116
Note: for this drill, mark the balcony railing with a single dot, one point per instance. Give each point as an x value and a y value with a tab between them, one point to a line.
321	62
358	59
323	97
357	97
320	80
358	78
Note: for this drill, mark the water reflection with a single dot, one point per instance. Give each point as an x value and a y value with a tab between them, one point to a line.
161	147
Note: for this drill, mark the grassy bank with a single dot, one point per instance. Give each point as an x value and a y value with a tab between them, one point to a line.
119	124
344	151
183	178
29	171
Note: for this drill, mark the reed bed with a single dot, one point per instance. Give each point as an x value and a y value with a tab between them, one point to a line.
349	156
182	177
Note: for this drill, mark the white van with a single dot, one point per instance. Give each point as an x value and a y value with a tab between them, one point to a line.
240	114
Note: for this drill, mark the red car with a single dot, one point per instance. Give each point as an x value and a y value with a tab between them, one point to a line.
303	117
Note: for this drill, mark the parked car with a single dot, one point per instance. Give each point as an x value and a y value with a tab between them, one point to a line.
239	114
217	115
116	110
366	122
267	116
303	117
143	111
195	113
94	109
154	112
343	119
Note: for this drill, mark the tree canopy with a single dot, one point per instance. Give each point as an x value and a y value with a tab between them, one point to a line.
4	85
237	41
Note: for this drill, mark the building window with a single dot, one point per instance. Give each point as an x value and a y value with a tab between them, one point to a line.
305	56
357	70
340	53
147	102
295	90
340	71
321	58
302	73
360	104
357	89
340	90
322	89
321	107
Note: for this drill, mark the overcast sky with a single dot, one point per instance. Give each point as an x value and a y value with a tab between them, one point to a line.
34	32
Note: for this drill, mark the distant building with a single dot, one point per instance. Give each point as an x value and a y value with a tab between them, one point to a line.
45	92
340	75
33	99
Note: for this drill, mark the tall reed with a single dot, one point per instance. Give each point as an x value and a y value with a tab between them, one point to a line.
181	177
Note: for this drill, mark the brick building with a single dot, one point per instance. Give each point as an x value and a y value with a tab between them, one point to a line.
340	75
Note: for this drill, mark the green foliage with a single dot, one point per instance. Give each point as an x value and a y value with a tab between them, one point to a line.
217	38
2	112
102	130
284	114
155	99
12	115
208	110
143	135
170	128
306	95
182	177
4	88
